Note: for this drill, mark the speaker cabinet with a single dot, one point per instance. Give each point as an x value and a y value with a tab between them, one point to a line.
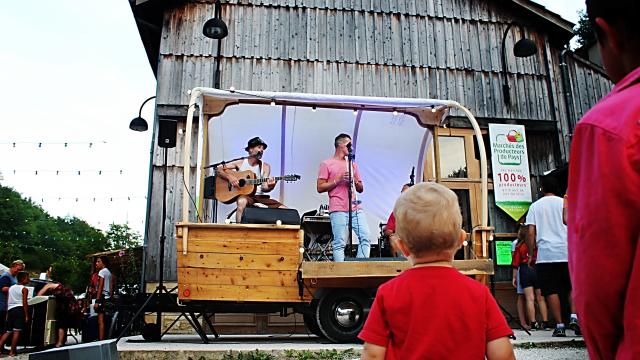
167	132
209	187
99	350
253	215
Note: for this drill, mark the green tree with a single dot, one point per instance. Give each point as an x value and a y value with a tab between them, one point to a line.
27	232
122	237
584	30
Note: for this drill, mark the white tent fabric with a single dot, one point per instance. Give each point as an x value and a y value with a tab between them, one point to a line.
386	146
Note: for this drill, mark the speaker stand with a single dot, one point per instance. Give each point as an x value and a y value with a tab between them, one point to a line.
161	294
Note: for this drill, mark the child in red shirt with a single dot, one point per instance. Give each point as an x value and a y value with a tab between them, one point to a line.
424	312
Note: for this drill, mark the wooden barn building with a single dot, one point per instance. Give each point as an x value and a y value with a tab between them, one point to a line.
444	49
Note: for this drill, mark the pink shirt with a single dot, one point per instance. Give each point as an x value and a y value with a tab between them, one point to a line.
604	225
331	168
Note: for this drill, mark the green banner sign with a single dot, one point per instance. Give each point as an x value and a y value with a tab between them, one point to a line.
511	182
515	209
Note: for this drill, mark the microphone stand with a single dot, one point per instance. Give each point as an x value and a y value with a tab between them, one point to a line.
215	173
350	158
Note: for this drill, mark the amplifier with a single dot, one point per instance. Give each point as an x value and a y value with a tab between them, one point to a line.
323	219
253	215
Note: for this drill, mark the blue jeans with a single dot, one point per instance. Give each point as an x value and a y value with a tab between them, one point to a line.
340	229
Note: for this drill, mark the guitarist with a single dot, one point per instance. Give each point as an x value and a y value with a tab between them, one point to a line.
255	148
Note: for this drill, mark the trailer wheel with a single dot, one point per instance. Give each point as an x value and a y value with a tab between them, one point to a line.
151	332
341	314
312	324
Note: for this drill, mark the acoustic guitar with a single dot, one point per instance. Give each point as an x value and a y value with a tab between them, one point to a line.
227	193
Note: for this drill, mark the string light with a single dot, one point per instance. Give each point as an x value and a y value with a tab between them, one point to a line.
66	172
395	112
273	102
313	108
41	144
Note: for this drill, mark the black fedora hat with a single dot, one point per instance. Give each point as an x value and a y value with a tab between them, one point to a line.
255	142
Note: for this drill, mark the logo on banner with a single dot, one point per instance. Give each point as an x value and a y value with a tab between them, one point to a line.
511	185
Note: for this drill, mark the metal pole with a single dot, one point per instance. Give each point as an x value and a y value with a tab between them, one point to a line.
505	83
162	236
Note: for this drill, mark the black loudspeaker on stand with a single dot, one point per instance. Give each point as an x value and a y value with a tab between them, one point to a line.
167	131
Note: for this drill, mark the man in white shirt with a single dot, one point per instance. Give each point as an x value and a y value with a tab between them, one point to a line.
255	148
548	234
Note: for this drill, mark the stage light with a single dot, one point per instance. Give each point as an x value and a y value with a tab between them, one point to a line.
215	28
522	48
138	123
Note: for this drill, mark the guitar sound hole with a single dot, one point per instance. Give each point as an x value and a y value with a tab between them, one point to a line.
241	182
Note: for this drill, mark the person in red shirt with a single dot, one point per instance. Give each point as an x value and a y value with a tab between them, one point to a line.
528	282
604	192
432	311
390	228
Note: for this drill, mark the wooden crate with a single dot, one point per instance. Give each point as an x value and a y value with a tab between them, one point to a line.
238	262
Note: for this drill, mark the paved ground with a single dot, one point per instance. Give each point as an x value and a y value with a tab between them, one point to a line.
537	346
551	354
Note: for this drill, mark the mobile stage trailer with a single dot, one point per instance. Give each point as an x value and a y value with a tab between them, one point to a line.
262	268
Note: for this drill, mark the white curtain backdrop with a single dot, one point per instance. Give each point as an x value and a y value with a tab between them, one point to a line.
386	146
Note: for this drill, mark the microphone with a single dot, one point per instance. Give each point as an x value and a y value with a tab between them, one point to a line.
412	177
349	145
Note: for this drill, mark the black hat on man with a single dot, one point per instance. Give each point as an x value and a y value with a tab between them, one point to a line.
255	142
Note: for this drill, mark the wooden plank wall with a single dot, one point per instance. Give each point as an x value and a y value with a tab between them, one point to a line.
394	48
589	84
445	49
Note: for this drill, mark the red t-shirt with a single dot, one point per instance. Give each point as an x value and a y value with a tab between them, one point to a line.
521	255
604	222
434	312
391	223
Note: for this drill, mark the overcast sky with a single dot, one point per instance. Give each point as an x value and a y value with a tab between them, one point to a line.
75	72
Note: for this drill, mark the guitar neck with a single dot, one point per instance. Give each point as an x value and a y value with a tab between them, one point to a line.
263	180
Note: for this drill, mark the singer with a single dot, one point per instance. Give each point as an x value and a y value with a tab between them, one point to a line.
333	178
253	161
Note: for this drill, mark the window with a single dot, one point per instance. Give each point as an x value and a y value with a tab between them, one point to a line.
453	163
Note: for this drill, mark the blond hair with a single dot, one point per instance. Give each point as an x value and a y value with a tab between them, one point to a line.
17	263
428	219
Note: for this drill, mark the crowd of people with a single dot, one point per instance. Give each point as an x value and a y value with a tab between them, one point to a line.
587	269
15	314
